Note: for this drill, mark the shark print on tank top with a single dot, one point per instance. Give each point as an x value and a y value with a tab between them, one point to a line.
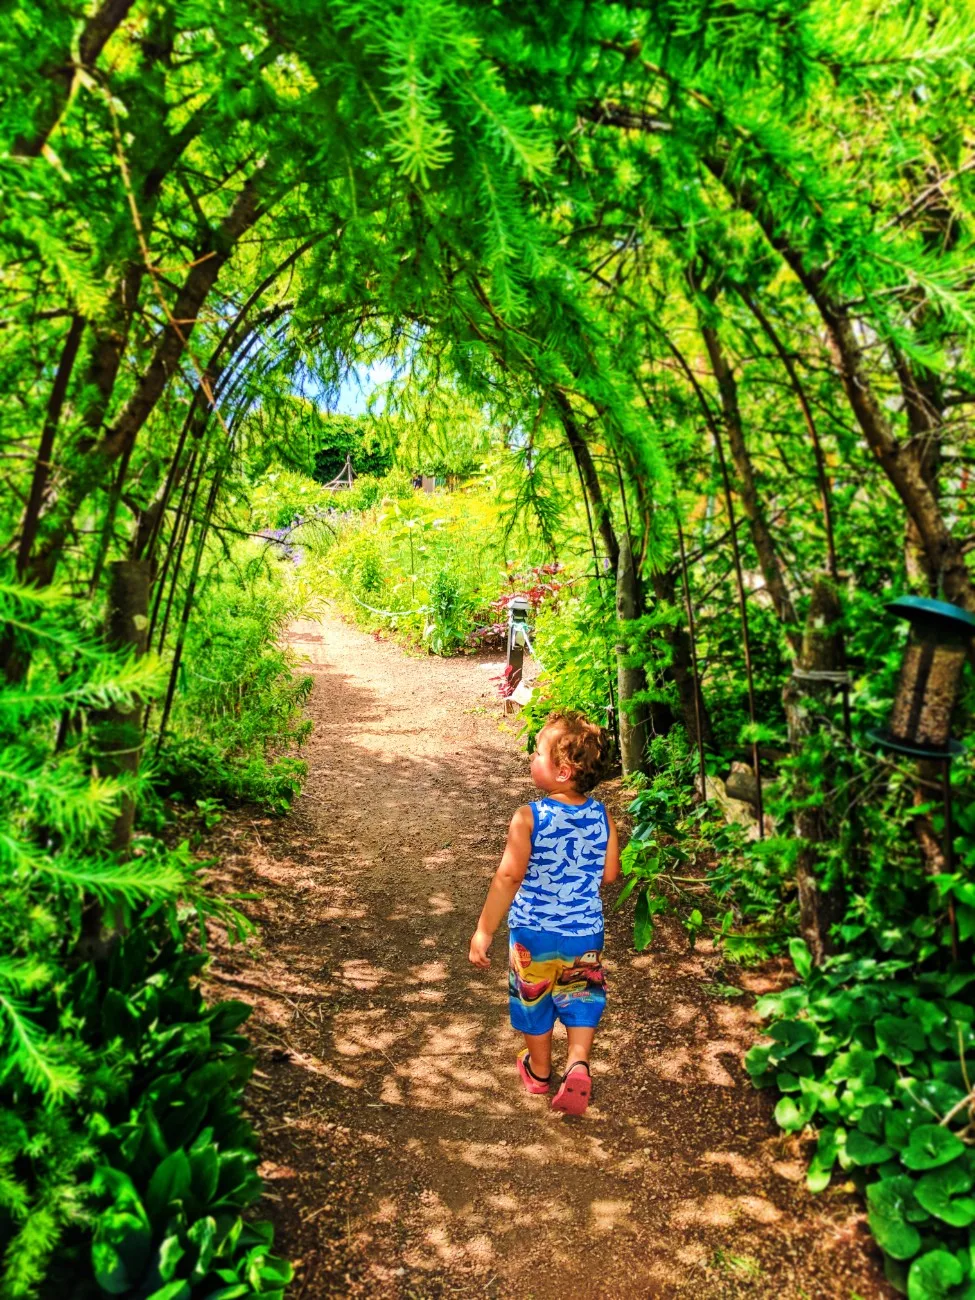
560	891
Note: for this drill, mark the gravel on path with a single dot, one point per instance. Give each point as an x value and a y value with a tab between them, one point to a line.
401	1157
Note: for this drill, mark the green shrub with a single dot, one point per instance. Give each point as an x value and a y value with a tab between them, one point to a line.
573	647
877	1056
239	709
449	624
125	1164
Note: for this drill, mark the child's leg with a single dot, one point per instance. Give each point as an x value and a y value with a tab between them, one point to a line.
539	1054
580	1044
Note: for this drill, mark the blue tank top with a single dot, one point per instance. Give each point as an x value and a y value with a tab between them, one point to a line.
560	891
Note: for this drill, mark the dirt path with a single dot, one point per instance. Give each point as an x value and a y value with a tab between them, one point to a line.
402	1158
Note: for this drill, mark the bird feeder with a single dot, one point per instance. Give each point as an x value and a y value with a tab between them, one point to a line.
517	640
930	678
920	720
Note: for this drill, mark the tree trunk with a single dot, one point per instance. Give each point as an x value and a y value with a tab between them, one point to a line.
117	733
173	340
923	409
681	669
901	462
806	697
94	36
590	478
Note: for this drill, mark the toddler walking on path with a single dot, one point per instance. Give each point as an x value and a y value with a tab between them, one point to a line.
561	849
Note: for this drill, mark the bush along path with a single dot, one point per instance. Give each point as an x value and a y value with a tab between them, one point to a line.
400	1156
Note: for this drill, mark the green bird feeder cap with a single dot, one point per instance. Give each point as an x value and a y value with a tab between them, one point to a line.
952	748
934	616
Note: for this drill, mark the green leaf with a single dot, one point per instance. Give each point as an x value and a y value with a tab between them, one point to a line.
857	1063
827	1149
203	1236
933	1275
899	1038
897	1128
935	1192
801	958
931	1145
756	1060
791	1115
642	923
170	1182
888	1201
120	1250
172	1291
790	1036
861	1149
170	1253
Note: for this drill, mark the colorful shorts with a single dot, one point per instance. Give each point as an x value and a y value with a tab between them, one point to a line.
554	977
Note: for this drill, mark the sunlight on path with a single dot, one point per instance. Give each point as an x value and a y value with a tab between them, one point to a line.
402	1156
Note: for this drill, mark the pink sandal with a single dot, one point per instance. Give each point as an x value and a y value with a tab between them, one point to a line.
574	1091
531	1081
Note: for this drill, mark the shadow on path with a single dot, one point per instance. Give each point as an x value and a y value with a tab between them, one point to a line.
402	1157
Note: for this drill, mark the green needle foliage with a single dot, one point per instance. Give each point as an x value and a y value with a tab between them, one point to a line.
690	284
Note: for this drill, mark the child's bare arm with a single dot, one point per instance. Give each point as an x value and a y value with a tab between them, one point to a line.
612	867
504	886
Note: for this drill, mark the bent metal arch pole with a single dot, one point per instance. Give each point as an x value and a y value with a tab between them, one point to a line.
825	491
691	632
739	577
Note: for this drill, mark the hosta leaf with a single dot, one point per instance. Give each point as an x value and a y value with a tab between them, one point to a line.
931	1146
933	1275
170	1182
887	1204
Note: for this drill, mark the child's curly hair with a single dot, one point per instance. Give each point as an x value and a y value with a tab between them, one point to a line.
582	745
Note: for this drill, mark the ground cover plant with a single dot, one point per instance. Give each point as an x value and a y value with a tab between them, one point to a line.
678	297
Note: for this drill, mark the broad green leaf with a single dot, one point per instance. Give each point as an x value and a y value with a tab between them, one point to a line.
801	958
820	1169
887	1204
899	1038
756	1060
171	1252
791	1115
932	1276
936	1190
169	1183
173	1291
857	1063
930	1146
790	1036
861	1149
202	1235
642	923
